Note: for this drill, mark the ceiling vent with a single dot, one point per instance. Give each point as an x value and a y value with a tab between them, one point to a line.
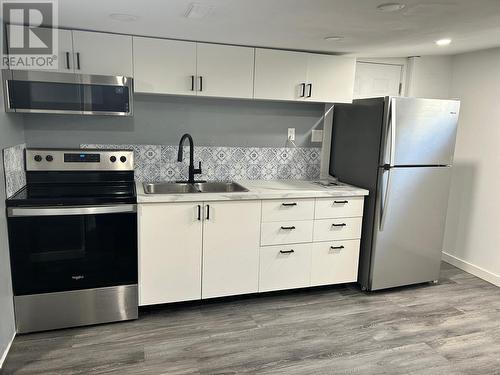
198	10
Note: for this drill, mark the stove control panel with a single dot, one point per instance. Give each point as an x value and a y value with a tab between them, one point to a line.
79	160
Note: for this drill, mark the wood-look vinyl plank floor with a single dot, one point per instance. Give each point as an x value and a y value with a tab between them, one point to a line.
449	328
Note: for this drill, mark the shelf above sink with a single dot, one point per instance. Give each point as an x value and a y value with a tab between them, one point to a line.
199	187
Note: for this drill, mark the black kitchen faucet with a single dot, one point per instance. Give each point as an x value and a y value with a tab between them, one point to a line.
192	169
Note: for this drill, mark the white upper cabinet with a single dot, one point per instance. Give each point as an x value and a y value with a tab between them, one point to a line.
330	78
64	56
102	53
224	71
280	75
164	66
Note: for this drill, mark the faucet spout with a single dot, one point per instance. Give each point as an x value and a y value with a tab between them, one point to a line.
192	169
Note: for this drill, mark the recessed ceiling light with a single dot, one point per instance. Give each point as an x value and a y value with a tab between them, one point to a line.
335	38
391	7
123	17
197	10
443	42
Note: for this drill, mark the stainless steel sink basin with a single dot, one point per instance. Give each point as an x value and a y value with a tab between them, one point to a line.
220	187
168	188
199	187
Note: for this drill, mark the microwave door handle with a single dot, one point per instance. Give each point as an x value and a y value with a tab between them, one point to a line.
64	211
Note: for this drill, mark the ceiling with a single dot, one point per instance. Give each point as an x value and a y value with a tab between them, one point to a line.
303	24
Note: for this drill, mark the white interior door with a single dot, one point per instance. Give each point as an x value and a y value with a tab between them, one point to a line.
164	66
102	53
376	80
224	71
231	233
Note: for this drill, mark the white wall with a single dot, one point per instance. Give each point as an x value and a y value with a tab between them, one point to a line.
429	77
472	236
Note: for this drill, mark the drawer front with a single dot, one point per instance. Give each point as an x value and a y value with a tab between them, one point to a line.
334	262
327	208
287	209
284	267
337	229
286	232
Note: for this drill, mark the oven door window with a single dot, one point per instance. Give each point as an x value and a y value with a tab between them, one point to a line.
61	253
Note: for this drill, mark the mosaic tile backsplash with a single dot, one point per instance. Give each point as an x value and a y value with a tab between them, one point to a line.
13	162
159	163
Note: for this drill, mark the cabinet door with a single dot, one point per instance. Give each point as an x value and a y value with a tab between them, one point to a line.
164	66
225	71
170	244
231	248
280	75
330	78
64	60
101	53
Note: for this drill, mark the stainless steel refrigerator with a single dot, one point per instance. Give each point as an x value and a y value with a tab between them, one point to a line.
401	150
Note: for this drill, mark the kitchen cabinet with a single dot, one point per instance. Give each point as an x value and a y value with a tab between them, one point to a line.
330	78
286	75
170	252
280	75
64	56
231	233
102	53
224	71
163	66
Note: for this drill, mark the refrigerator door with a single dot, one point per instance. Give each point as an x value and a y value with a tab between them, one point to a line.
420	132
409	226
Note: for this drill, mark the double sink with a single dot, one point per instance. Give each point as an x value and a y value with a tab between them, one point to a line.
197	187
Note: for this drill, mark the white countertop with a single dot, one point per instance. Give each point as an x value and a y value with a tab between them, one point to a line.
258	189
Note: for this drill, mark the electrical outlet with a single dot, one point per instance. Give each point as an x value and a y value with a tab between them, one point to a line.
291	134
317	136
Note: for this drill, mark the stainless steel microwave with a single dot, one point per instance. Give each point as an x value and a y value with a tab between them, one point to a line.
28	91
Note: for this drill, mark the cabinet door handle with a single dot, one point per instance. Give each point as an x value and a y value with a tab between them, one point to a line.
192	83
208	212
288	228
289	204
302	90
78	60
287	251
67	61
336	247
201	83
339	225
340	202
199	212
310	85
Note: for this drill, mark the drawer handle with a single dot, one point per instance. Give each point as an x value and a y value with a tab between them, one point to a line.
288	228
336	247
340	202
287	251
288	204
338	225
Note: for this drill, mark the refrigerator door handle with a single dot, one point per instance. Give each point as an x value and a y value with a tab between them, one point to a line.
385	199
392	124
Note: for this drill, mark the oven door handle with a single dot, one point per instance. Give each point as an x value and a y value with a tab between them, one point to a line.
72	210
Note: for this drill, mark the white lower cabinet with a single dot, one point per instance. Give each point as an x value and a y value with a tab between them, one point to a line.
286	232
334	262
170	244
231	248
337	229
284	267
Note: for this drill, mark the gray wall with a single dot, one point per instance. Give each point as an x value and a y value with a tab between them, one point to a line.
11	133
163	120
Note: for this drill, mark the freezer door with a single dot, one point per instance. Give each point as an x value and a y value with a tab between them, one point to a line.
421	132
409	226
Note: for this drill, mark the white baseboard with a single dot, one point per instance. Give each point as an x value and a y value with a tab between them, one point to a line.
472	269
4	354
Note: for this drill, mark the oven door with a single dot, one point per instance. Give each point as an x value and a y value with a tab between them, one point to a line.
56	249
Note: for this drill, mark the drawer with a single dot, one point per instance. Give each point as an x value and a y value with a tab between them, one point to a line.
284	267
337	229
334	262
285	232
327	208
287	209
